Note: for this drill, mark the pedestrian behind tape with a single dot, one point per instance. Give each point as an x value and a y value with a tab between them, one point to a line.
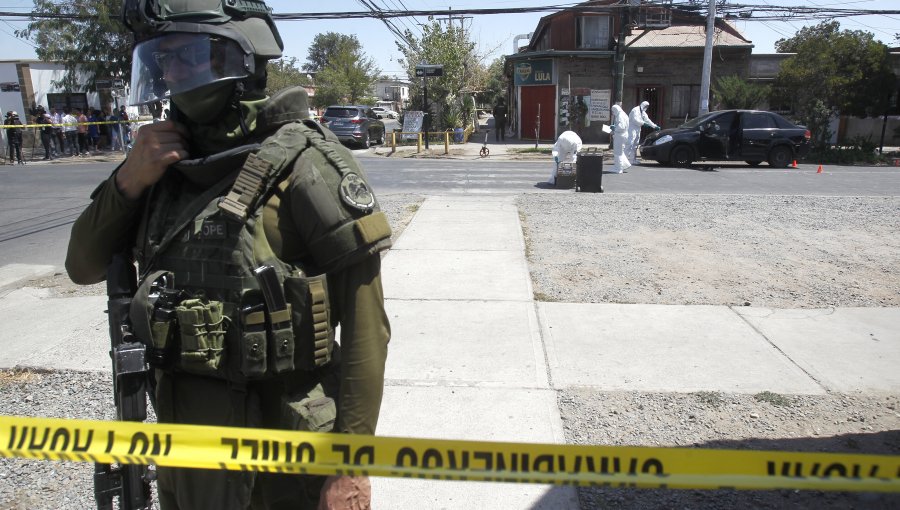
14	137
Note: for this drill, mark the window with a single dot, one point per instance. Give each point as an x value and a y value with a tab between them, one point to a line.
757	121
63	101
685	101
592	32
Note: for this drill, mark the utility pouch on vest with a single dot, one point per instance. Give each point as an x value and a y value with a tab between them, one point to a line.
278	314
310	410
253	340
201	324
310	317
281	349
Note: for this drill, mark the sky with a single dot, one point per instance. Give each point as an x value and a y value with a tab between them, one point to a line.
493	33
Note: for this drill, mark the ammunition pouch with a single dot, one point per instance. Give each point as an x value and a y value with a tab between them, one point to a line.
202	335
207	337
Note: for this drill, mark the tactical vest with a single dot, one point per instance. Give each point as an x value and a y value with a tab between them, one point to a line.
215	299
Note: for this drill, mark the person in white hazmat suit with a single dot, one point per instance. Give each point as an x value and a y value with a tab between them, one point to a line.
619	129
636	120
564	151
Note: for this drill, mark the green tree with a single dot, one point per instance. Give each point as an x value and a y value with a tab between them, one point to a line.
87	37
283	73
496	83
327	45
344	74
732	92
847	71
449	46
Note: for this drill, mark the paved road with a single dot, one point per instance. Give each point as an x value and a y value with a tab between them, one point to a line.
39	202
389	175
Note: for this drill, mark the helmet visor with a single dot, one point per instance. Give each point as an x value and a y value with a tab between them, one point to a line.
179	62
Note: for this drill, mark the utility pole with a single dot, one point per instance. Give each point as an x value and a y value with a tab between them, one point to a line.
620	58
707	58
426	117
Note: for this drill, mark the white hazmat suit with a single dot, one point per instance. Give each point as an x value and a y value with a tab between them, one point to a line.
564	151
636	119
619	128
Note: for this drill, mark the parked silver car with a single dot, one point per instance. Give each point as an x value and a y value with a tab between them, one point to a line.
384	113
354	124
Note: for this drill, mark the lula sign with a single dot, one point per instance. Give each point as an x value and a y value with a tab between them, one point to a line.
534	72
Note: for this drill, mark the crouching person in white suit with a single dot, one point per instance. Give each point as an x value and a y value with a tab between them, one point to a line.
564	151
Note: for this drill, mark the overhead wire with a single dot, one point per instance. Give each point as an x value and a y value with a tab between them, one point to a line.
377	13
24	40
772	12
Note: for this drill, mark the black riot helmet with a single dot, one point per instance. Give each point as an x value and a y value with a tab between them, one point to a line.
197	50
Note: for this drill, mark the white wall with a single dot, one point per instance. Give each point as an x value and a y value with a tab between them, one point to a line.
11	100
871	128
42	77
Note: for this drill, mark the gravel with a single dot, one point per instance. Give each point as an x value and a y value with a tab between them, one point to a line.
769	251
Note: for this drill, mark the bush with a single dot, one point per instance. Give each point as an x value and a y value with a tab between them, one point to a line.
451	117
857	150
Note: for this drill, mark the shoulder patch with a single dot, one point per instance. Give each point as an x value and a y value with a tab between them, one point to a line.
355	192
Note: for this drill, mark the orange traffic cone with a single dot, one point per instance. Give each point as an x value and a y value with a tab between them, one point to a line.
819	170
795	164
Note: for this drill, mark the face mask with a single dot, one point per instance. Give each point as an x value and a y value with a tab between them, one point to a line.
205	104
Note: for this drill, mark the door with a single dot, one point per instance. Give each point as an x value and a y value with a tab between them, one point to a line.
654	96
759	130
538	111
716	136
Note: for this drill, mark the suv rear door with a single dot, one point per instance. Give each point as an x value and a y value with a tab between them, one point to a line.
339	116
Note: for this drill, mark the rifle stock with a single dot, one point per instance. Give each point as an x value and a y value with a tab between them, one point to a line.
131	483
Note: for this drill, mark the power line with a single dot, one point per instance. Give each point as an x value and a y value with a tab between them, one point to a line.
746	12
399	36
26	41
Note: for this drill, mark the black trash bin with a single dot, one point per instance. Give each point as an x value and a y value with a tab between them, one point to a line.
589	171
565	176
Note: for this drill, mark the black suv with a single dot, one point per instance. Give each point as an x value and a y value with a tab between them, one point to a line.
354	124
729	135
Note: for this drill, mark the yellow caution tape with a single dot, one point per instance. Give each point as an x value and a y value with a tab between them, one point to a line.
245	449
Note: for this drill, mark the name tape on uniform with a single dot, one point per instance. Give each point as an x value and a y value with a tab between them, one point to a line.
245	449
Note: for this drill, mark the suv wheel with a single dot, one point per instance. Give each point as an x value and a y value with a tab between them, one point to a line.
364	142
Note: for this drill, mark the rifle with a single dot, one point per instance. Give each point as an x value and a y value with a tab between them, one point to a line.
131	483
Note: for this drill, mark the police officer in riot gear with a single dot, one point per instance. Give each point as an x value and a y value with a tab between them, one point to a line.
235	185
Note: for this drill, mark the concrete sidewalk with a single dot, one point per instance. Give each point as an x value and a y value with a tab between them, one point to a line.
474	357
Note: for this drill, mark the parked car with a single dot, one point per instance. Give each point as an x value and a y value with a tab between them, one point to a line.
354	124
730	135
384	112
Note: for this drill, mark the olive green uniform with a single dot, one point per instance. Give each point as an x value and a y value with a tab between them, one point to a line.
296	221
